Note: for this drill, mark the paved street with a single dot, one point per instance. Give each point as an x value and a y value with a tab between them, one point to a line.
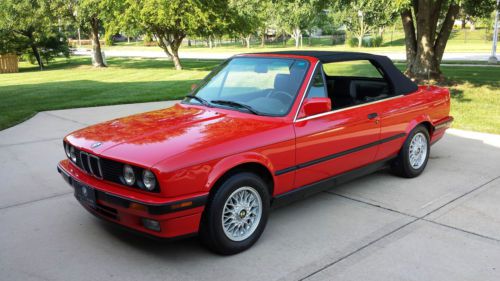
449	56
443	225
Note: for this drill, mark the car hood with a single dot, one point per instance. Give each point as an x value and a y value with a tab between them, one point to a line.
148	138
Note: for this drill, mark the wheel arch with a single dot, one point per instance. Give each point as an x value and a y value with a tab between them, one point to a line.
424	120
254	163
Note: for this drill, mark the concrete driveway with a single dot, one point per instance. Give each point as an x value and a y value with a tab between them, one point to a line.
443	225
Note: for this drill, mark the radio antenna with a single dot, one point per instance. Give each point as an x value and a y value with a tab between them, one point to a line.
428	77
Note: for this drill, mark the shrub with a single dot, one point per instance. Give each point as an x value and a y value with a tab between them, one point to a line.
353	42
376	41
108	38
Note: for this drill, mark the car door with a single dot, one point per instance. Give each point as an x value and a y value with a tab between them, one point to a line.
334	142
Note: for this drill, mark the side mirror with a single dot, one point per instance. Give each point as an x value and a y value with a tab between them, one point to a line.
193	86
313	106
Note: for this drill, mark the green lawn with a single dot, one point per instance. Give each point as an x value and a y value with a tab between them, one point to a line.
460	41
74	83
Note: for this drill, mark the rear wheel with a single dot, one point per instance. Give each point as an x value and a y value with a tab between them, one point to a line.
414	154
237	214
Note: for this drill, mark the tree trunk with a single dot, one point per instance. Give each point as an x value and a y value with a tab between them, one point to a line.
410	40
296	36
96	45
424	44
472	25
34	48
464	22
175	58
247	40
360	41
170	44
263	39
37	56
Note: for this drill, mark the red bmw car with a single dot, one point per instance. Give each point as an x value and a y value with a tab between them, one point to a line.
259	131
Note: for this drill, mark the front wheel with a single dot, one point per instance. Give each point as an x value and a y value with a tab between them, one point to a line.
414	154
236	215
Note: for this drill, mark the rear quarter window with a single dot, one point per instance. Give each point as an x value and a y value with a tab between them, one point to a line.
356	68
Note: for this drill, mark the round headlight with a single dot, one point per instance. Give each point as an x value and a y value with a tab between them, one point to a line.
128	175
149	180
72	154
66	149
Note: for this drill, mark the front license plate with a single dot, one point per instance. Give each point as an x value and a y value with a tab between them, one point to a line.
85	194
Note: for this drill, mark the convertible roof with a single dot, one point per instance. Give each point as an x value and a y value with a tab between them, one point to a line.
401	84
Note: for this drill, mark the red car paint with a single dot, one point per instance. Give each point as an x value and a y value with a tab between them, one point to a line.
190	147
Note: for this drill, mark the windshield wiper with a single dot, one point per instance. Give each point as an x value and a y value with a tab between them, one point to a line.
202	101
236	104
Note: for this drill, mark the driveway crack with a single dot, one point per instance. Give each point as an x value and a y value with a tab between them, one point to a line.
415	219
35	200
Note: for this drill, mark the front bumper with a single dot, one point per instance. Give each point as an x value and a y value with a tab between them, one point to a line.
176	217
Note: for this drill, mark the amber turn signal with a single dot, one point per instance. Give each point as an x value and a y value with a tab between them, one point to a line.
137	206
181	205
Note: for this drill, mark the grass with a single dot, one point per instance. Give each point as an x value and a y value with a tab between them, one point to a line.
475	98
74	83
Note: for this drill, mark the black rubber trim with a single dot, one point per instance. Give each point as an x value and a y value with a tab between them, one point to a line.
325	184
443	123
118	226
339	154
153	209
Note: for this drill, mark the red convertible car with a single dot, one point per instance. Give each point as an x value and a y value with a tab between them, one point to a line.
259	131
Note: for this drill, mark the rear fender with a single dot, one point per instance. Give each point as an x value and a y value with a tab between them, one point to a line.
424	118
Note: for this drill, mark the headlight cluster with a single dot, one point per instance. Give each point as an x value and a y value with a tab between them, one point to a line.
70	151
111	170
142	178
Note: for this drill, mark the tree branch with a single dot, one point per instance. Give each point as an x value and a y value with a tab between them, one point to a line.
445	31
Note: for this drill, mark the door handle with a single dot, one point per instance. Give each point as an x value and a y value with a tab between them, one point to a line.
372	115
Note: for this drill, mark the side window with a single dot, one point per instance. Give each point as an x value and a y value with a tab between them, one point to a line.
351	83
317	87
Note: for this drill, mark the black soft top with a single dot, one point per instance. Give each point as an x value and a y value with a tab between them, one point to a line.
400	83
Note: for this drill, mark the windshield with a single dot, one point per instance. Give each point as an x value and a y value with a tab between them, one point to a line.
264	86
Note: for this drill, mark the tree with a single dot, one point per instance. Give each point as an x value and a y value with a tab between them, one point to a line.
217	19
427	25
249	17
245	18
30	26
91	15
297	15
171	21
472	10
364	16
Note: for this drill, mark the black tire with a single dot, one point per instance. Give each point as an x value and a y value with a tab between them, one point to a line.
401	165
212	233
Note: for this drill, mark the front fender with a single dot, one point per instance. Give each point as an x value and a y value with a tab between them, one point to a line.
232	161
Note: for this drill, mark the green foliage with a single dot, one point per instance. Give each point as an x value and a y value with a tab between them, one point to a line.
171	21
361	17
478	8
246	16
353	42
375	41
30	27
294	16
108	38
